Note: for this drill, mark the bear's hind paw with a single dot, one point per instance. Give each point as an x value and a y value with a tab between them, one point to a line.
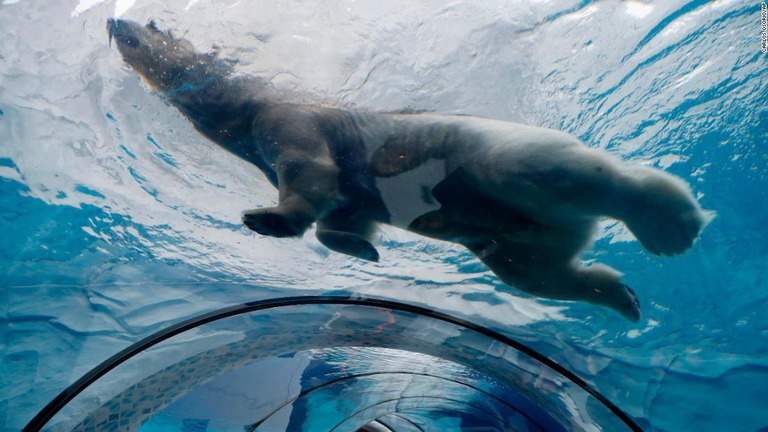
671	235
348	243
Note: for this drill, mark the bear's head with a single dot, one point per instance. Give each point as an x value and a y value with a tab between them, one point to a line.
165	62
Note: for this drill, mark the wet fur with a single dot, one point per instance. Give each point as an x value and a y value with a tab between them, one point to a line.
524	200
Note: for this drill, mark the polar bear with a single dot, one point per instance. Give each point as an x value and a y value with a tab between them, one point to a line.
523	199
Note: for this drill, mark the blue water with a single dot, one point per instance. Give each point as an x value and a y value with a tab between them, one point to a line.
118	219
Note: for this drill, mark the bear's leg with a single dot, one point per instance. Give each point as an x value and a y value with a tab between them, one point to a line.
544	270
467	215
307	187
576	181
661	211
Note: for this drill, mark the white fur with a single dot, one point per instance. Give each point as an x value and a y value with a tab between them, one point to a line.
556	181
408	195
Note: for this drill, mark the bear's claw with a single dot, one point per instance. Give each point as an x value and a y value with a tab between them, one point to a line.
632	311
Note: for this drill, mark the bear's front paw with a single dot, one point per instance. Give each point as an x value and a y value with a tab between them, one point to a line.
275	222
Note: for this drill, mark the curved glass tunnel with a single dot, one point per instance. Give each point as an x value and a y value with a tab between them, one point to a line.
329	364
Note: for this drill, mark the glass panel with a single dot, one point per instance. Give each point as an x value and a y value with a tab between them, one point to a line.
340	364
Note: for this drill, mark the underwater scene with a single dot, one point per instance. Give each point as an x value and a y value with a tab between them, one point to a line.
349	215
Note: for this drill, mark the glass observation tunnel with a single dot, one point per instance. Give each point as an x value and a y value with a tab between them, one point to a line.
328	363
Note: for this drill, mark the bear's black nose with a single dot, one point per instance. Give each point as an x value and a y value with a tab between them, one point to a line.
117	27
125	33
112	25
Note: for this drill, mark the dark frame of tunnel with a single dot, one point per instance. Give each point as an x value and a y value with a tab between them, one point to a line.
63	398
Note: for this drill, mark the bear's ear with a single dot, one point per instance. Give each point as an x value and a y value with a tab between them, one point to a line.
396	157
214	56
152	25
214	52
183	44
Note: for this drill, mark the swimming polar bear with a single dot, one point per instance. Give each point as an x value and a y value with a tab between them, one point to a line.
524	200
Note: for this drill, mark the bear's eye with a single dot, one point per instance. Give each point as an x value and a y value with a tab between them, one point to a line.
131	41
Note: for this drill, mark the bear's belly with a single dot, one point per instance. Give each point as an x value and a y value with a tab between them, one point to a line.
409	195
